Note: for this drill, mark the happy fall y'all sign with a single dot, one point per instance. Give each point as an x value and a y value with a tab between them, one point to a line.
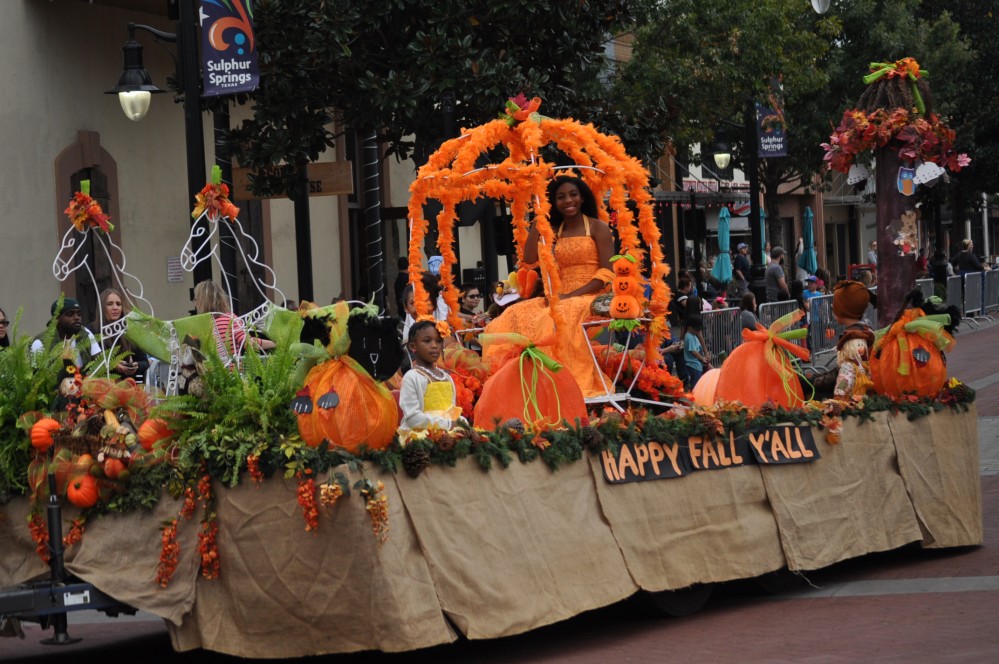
651	460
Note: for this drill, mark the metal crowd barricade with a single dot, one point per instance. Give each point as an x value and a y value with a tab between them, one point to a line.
990	293
974	297
722	332
925	285
955	298
768	312
823	330
872	310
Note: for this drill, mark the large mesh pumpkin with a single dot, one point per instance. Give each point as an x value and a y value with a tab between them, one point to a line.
340	401
908	356
528	386
761	369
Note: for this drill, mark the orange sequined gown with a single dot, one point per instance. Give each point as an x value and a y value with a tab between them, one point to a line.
578	260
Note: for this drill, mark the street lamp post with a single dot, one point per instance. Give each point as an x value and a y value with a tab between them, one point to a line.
723	157
135	87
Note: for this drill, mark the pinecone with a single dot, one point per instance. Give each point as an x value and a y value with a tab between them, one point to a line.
592	438
962	393
415	459
769	408
515	424
446	442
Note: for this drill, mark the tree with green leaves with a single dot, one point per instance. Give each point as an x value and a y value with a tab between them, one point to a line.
391	67
701	63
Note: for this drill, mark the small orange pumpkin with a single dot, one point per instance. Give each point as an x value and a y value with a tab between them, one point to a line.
41	433
83	491
153	431
113	467
624	265
627	286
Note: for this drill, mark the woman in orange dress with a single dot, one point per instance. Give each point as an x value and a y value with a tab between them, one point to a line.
583	249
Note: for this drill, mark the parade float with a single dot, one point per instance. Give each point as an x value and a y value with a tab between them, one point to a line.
269	510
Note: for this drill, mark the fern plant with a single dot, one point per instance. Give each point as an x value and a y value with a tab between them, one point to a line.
240	413
28	384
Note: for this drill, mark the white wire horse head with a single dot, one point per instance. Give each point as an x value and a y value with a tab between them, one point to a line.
203	244
75	253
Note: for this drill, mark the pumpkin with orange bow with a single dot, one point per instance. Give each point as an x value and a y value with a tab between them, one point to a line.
528	386
908	356
761	369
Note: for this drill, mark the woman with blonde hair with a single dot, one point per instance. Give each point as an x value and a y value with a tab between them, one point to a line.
230	333
113	307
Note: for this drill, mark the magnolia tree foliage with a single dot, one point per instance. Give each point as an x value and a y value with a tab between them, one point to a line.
394	66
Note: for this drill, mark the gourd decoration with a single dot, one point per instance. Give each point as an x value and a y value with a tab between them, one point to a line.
340	402
908	356
41	433
83	491
761	369
628	297
705	389
526	282
528	386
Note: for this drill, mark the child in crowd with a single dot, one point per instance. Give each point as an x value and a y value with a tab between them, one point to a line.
694	356
427	395
850	301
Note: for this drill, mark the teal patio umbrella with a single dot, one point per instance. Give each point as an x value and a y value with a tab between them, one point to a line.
722	269
808	261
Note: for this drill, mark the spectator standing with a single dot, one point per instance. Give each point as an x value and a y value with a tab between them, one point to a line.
741	269
773	279
811	288
76	339
694	356
114	306
966	261
872	253
4	327
747	317
922	264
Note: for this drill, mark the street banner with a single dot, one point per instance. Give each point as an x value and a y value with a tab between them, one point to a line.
228	49
771	132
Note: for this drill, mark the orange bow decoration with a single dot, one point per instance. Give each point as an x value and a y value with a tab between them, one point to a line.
779	346
84	212
214	199
518	109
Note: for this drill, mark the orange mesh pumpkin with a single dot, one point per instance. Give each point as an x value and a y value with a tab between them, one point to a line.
908	358
761	369
363	412
528	387
704	390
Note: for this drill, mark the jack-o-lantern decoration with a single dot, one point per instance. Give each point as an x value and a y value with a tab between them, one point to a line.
628	292
761	368
908	356
83	490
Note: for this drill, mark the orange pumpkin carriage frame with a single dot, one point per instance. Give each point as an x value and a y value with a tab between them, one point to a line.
451	176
